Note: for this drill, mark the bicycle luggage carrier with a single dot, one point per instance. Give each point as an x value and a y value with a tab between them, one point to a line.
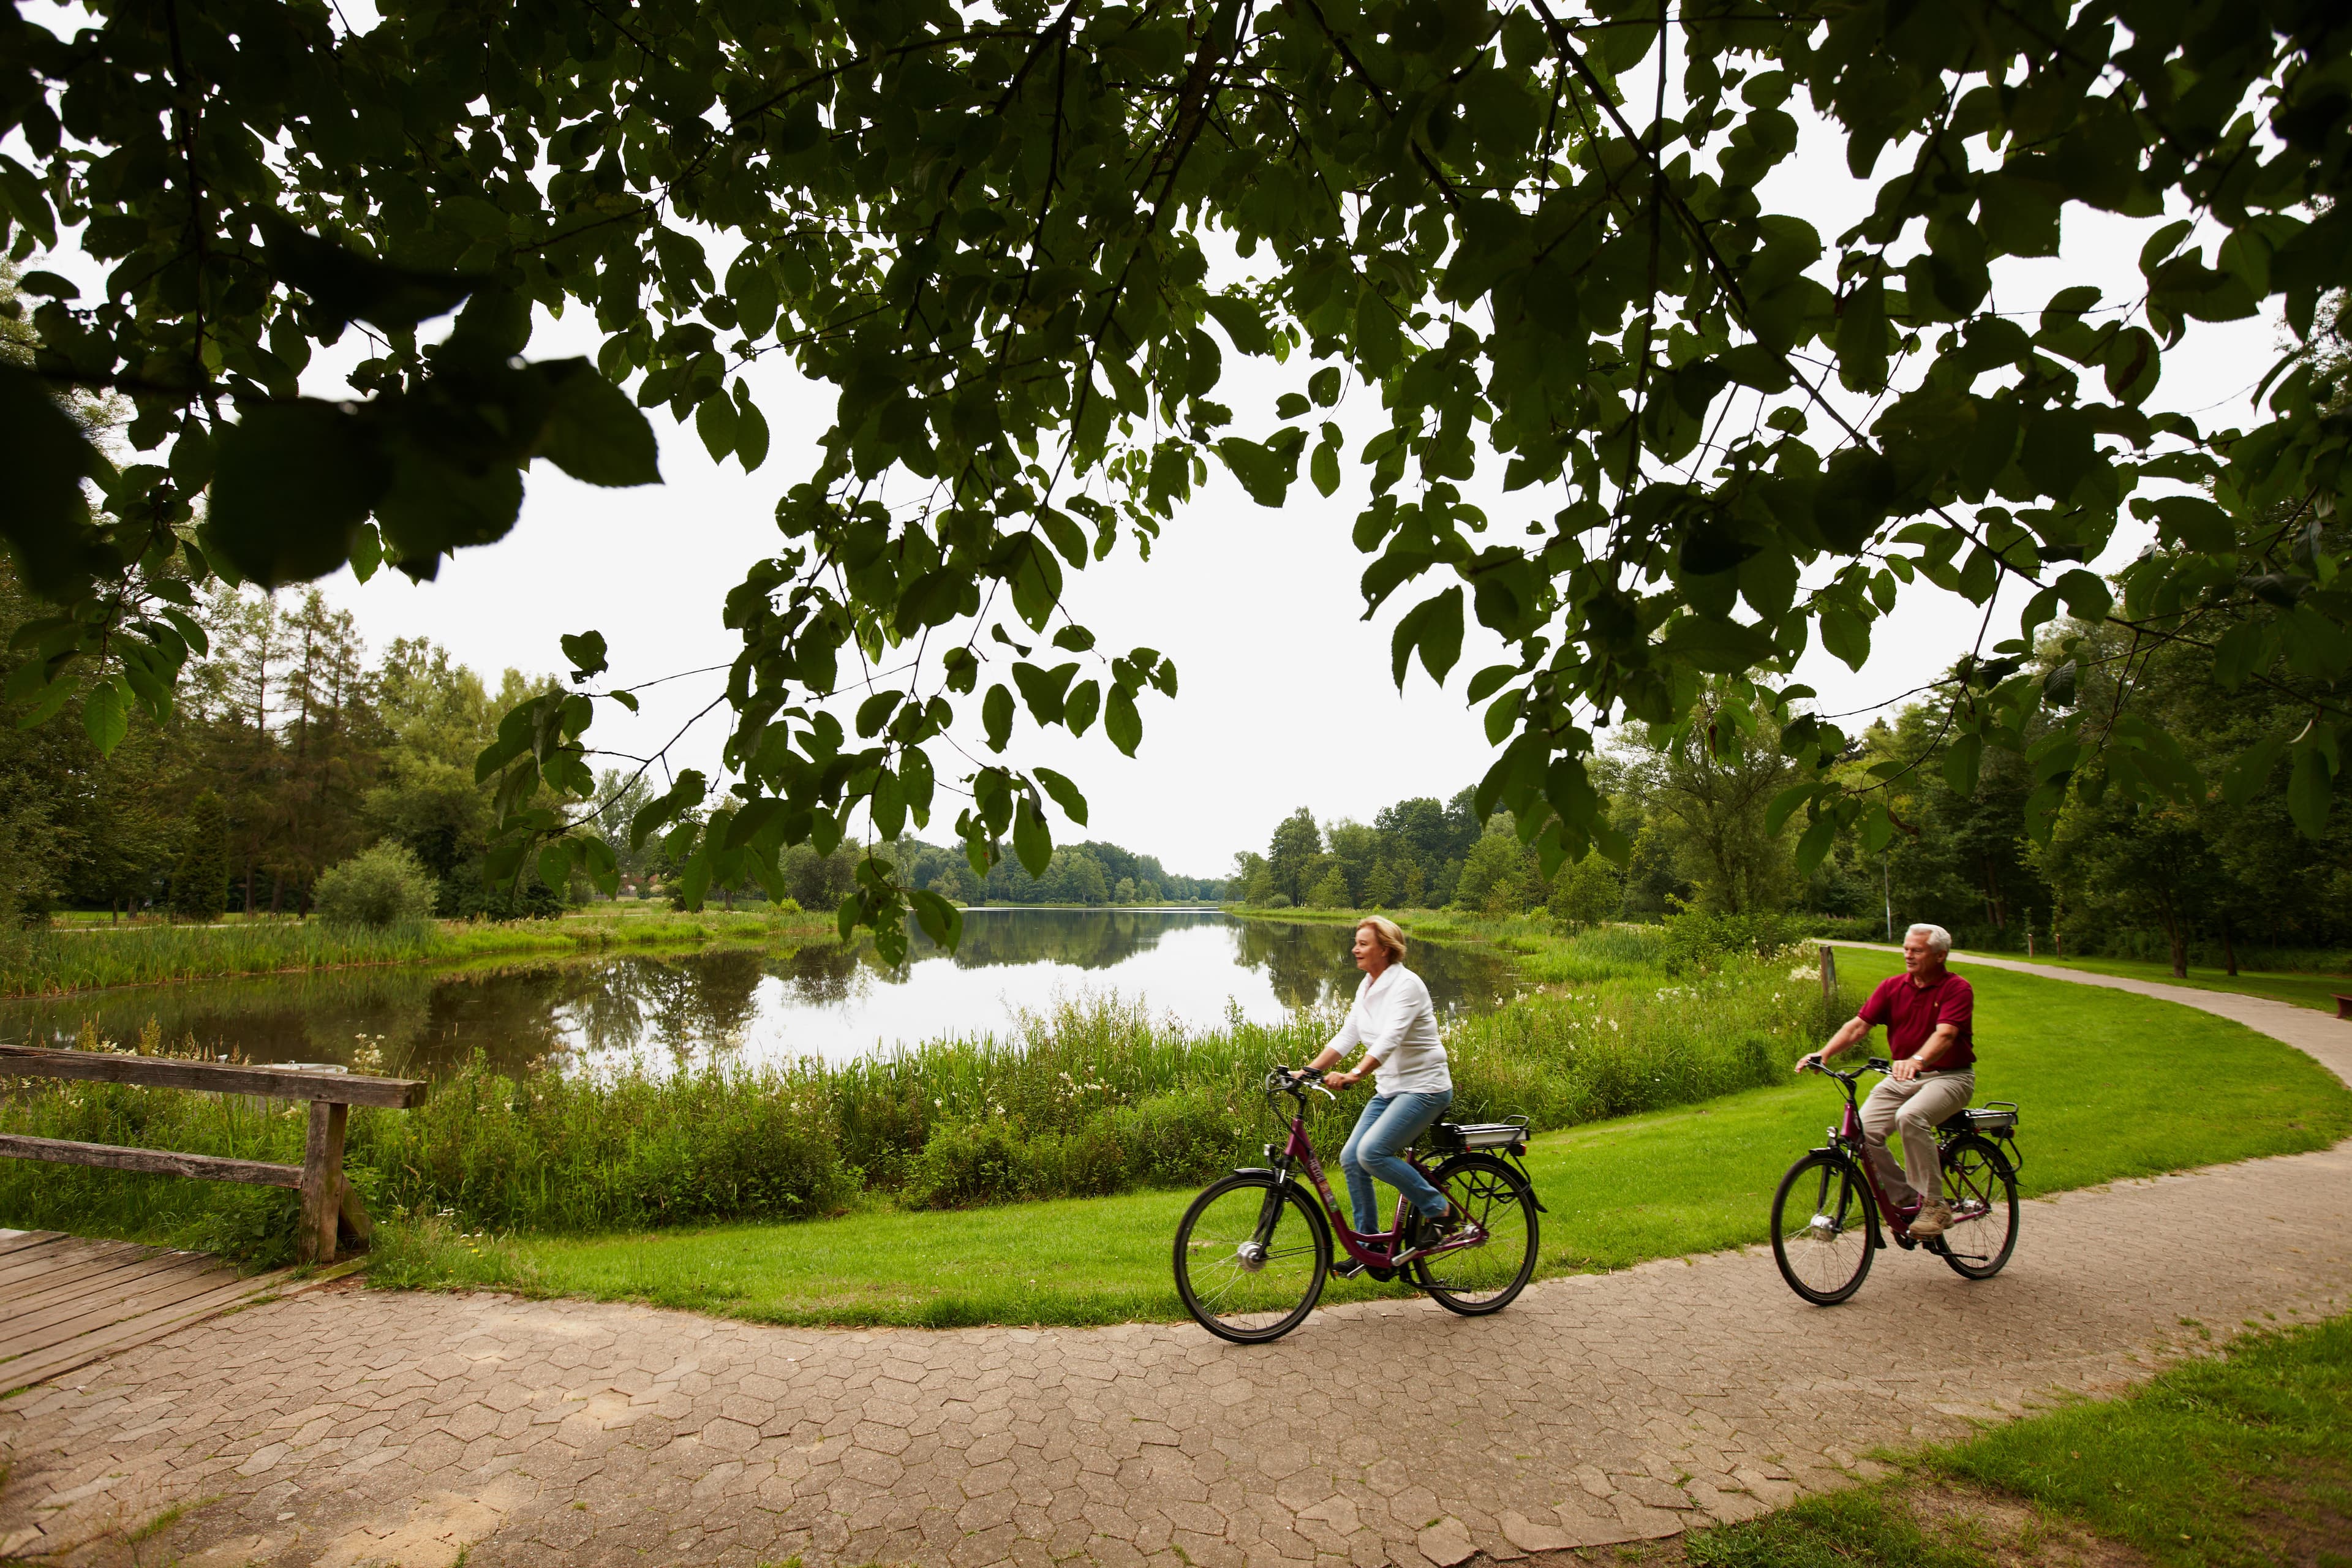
1454	1137
1996	1117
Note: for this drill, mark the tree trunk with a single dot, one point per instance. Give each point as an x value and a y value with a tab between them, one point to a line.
2229	949
2178	940
277	892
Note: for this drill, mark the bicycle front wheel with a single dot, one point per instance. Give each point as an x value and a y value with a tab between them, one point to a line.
1982	1192
1250	1258
1821	1228
1484	1278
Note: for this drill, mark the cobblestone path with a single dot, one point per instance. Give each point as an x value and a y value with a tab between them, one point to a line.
345	1427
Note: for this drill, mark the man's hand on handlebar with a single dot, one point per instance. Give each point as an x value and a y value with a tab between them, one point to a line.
1812	1062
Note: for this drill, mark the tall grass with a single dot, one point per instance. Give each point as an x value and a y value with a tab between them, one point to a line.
1091	1096
53	962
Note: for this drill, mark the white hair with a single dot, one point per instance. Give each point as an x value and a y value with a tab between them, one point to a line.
1938	937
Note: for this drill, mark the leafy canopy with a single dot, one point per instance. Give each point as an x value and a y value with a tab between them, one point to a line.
1007	234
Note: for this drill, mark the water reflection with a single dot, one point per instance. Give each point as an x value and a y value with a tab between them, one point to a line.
826	999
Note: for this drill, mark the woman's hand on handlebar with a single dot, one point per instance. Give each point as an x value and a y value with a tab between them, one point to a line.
1335	1079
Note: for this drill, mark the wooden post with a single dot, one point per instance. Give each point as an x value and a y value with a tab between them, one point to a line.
1829	976
323	1180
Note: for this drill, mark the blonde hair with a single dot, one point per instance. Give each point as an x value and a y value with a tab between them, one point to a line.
1386	932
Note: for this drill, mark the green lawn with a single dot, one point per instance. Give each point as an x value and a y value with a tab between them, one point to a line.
2111	1086
2305	990
2229	1463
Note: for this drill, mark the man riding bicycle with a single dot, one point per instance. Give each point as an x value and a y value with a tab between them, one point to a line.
1928	1012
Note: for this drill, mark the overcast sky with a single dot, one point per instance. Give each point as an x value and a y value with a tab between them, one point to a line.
1285	698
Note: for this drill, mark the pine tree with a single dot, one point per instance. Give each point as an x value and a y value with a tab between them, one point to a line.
200	879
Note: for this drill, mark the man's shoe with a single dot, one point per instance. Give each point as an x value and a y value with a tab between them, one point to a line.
1934	1219
1347	1268
1431	1229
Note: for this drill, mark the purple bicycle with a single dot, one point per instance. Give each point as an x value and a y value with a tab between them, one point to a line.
1253	1250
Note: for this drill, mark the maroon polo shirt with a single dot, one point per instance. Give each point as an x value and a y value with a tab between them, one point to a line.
1911	1013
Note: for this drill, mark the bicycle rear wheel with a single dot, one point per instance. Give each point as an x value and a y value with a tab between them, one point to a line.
1251	1259
1822	1230
1483	1279
1983	1194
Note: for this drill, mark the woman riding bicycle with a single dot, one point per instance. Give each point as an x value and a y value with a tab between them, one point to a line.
1392	1020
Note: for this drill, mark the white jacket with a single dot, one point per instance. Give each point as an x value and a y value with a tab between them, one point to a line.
1392	1019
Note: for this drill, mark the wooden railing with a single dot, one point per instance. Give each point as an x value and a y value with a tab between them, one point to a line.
330	1207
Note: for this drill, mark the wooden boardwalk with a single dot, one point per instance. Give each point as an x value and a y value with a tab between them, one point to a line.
66	1301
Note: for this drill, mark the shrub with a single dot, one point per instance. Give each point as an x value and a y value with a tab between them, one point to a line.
970	1162
1696	940
378	888
1175	1139
1279	902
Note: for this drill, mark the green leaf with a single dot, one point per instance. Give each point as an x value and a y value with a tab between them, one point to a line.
2250	774
1815	846
1121	723
1065	794
750	430
1847	635
1324	469
1434	625
714	421
876	711
292	480
594	432
940	920
104	716
1078	712
1961	759
345	285
46	457
2309	792
1776	815
1489	681
1719	647
996	717
1032	842
586	652
554	868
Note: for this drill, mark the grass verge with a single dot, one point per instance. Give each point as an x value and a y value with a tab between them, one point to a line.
58	963
2240	1460
2305	990
2113	1086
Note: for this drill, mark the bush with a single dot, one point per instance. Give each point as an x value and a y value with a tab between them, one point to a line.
1699	940
970	1162
379	889
1279	902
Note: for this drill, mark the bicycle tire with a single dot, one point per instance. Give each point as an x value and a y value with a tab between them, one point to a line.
1824	1264
1982	1191
1226	1293
1488	1277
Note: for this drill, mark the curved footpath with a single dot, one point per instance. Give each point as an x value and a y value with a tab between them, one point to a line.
344	1426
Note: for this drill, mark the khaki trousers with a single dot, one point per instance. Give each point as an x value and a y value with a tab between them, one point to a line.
1916	1108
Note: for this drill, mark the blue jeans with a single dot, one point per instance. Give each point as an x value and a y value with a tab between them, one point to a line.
1390	1122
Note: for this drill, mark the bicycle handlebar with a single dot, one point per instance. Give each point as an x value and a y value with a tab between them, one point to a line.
1297	1080
1876	1064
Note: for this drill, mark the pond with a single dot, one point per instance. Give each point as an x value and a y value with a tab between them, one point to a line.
823	999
